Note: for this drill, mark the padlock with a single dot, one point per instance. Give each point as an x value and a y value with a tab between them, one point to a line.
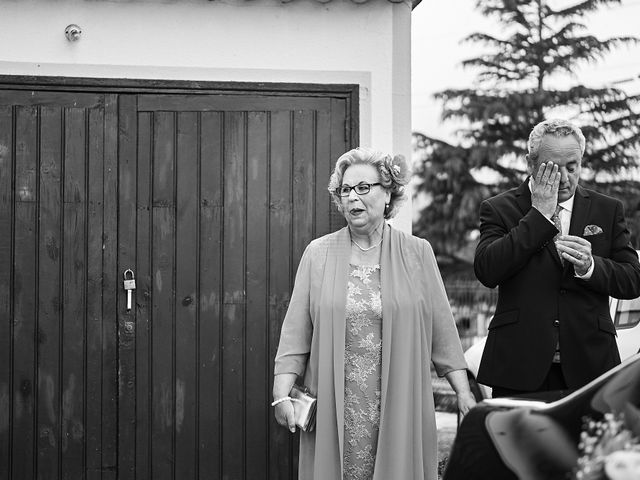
129	286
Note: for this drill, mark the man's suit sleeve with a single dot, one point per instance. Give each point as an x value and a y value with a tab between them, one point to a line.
617	275
502	252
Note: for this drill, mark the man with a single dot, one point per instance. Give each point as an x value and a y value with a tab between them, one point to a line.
552	329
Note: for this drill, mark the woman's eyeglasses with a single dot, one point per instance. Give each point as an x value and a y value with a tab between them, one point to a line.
361	189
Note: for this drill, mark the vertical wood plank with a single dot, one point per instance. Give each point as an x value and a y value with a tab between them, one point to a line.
187	264
74	264
95	218
126	335
25	272
109	296
144	299
233	381
339	146
323	168
163	261
303	181
6	288
211	234
257	352
282	461
49	291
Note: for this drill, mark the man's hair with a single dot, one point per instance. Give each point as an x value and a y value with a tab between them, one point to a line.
556	127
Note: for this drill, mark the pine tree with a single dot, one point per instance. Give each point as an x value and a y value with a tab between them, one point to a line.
514	91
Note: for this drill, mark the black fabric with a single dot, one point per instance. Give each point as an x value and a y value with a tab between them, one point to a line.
473	456
553	382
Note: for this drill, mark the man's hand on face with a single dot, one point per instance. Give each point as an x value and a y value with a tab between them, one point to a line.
544	190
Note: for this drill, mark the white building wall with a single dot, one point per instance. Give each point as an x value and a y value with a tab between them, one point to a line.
303	41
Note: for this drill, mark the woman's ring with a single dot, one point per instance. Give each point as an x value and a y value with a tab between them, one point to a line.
579	255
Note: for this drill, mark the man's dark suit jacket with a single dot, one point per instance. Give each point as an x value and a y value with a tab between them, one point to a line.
540	300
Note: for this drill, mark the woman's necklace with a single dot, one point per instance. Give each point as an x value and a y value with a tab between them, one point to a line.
366	249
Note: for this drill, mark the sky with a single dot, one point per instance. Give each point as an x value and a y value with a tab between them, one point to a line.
438	26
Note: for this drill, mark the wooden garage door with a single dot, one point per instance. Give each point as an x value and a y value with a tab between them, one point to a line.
209	197
221	196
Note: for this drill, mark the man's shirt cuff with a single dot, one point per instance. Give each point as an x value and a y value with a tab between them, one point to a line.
587	275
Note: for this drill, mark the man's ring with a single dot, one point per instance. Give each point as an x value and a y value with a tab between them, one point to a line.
579	255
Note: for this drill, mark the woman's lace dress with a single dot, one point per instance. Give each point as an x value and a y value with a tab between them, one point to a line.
363	361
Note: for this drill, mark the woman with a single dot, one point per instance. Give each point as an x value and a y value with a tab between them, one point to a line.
367	315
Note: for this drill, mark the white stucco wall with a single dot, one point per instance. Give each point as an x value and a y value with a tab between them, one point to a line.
228	40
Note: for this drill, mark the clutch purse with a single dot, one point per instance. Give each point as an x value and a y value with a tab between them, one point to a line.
304	407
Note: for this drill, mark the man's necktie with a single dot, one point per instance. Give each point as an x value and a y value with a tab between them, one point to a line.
555	218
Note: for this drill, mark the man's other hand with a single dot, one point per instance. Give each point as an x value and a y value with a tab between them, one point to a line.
576	250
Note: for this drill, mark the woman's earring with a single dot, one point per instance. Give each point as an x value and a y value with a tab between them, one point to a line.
386	208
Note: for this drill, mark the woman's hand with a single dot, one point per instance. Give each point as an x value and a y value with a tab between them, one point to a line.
282	384
466	401
284	415
460	384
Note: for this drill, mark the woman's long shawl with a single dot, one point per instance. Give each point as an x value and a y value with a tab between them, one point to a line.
417	327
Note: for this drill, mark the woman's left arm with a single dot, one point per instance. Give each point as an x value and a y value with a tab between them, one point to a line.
446	350
460	384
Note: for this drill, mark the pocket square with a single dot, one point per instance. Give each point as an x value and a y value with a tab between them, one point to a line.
592	230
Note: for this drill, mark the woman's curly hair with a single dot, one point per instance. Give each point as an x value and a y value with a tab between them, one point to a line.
393	172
